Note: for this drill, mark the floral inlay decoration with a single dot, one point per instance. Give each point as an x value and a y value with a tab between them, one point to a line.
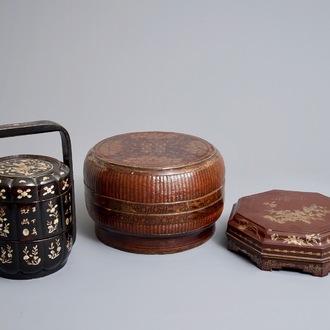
31	258
2	194
53	213
54	252
24	167
6	255
4	225
24	193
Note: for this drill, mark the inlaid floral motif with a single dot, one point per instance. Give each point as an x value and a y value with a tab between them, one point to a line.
24	193
2	194
65	184
49	190
68	209
24	167
4	225
6	255
31	258
307	214
54	252
69	243
53	213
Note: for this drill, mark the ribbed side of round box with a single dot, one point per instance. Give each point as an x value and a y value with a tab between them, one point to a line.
155	209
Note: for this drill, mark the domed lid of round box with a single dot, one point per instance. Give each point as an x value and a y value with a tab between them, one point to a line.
154	192
281	229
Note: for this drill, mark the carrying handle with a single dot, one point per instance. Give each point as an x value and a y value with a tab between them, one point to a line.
41	126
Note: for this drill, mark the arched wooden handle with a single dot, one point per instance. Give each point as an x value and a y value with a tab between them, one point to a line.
37	127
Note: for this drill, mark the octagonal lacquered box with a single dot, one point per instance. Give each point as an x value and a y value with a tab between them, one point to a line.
281	229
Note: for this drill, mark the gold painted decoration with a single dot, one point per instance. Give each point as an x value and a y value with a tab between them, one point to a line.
293	230
308	240
306	214
245	225
154	149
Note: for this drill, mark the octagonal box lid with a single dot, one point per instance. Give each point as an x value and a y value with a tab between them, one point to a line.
283	230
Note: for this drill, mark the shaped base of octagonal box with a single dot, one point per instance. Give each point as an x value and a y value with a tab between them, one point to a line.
281	229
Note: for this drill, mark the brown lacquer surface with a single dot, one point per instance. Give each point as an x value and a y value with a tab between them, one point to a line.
154	192
154	150
283	229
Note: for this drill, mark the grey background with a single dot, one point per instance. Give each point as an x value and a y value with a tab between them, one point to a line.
251	77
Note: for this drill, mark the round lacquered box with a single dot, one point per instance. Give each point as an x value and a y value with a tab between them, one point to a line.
154	192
